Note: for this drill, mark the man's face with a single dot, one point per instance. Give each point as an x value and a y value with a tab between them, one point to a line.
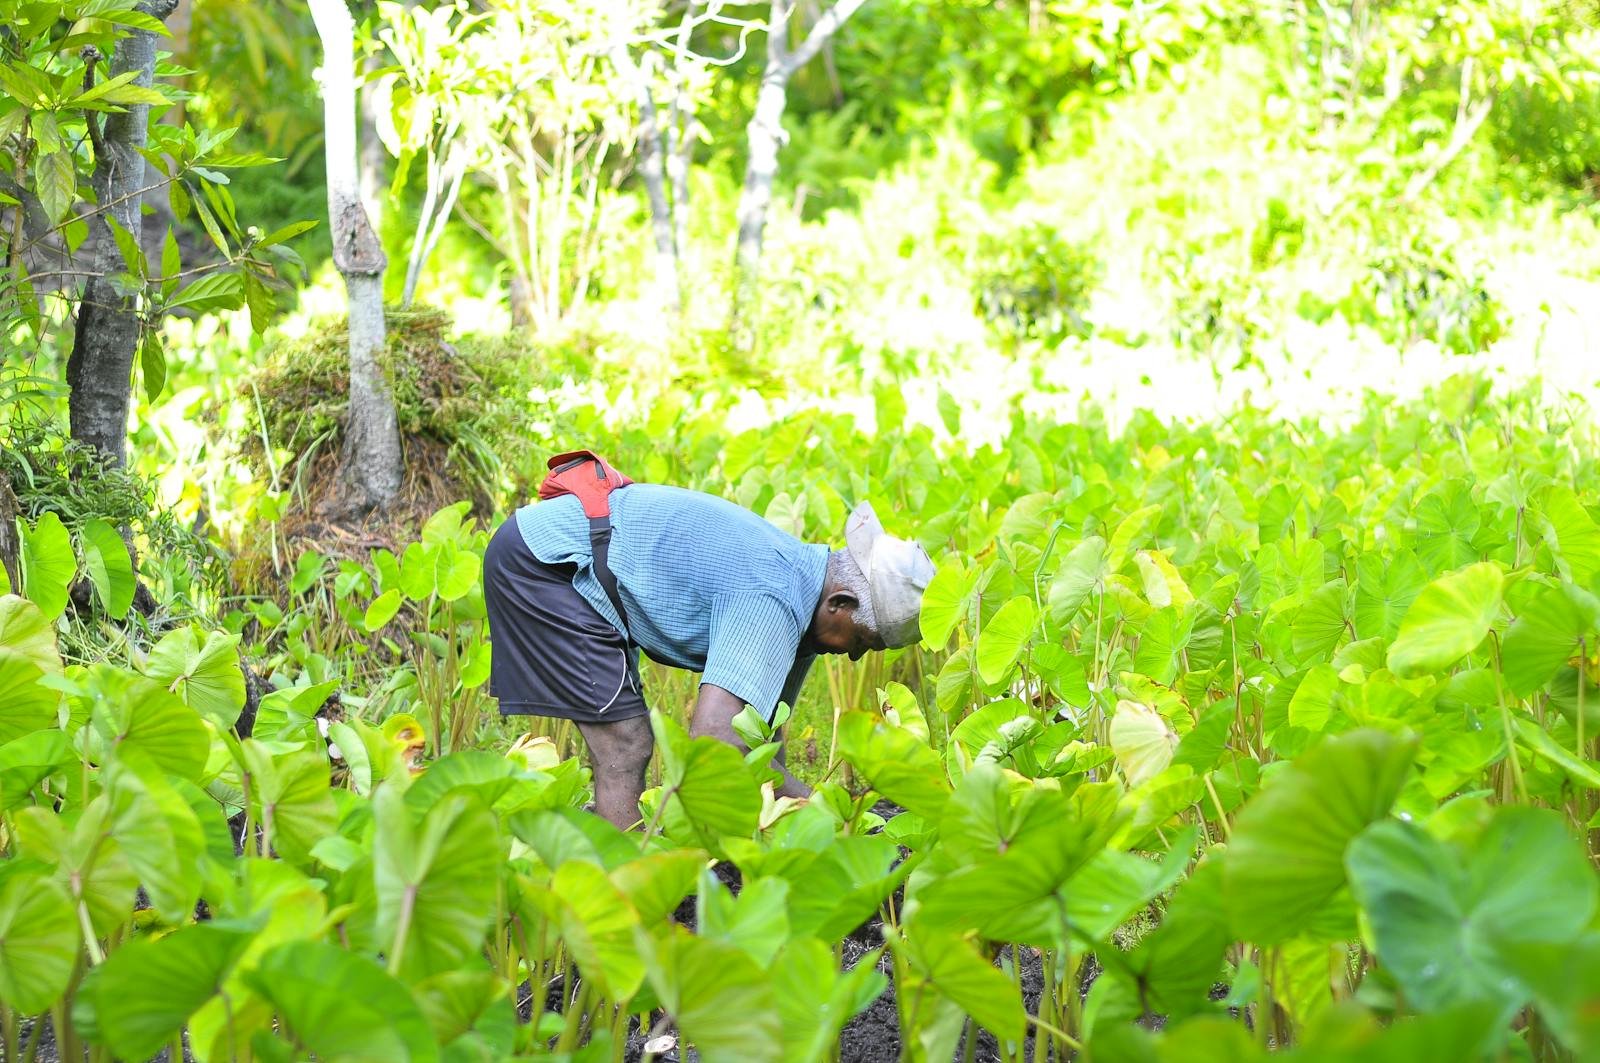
835	630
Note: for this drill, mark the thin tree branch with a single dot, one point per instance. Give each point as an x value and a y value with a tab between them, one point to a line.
825	27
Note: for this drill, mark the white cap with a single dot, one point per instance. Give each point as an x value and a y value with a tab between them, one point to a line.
897	573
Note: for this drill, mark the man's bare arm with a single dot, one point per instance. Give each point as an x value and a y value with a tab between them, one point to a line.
714	711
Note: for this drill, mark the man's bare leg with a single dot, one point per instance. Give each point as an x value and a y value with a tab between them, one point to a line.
619	753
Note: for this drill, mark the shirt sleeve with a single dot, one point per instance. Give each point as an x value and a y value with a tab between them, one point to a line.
752	647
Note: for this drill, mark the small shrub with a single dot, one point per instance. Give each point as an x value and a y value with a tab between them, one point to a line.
1034	283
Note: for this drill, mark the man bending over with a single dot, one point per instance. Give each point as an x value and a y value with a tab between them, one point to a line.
704	585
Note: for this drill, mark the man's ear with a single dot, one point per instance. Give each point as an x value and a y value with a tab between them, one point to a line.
842	599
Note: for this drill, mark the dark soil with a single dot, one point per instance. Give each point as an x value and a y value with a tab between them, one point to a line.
49	1052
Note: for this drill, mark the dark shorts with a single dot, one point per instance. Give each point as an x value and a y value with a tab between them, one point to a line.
553	654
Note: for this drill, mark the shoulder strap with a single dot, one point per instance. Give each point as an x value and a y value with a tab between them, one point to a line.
587	475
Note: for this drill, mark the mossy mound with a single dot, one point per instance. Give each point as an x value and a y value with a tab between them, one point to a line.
461	409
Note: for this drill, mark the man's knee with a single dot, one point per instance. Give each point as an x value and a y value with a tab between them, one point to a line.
624	746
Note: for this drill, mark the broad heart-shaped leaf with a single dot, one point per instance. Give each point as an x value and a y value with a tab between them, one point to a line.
1083	570
1320	625
144	993
1178	963
48	564
1142	741
843	887
38	940
382	609
706	784
1570	533
654	884
137	716
944	602
1002	639
1540	741
1385	589
207	678
1565	980
110	567
815	999
756	921
980	728
597	924
341	1006
1111	887
26	761
437	884
26	705
25	630
895	762
1007	846
722	1001
1129	534
1447	621
89	862
949	962
289	793
1440	917
456	571
1548	632
159	834
1285	864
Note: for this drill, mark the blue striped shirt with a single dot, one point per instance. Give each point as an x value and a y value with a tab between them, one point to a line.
707	585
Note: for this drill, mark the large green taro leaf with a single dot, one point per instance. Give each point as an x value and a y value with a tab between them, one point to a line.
1565	980
1440	917
27	761
110	567
1385	589
1179	962
1081	573
1284	867
708	789
722	1001
38	940
436	882
1553	625
950	963
597	924
48	564
145	992
944	602
898	764
25	629
1570	533
290	795
159	834
1448	620
1003	638
207	677
815	999
342	1006
26	705
136	716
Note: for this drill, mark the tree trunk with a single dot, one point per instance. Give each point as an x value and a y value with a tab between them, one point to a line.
100	368
374	156
372	460
653	170
765	136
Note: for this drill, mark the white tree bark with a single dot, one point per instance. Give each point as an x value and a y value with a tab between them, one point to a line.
372	458
765	137
653	170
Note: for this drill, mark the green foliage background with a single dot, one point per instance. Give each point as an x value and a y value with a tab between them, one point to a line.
1233	361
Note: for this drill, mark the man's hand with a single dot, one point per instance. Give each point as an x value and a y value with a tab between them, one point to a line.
714	711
